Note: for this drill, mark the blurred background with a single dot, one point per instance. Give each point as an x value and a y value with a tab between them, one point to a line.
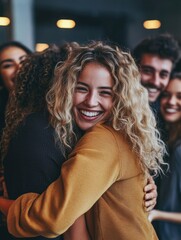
38	23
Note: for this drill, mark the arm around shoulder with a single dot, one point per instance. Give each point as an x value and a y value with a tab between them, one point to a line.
84	178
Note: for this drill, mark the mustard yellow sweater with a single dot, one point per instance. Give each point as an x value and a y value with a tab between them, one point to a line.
103	179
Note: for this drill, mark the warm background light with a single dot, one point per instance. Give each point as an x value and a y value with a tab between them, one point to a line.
41	46
4	21
66	23
152	24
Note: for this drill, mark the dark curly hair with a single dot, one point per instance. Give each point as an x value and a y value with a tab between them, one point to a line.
163	45
33	81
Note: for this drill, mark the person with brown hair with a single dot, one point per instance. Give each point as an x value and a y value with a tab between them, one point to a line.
167	215
12	54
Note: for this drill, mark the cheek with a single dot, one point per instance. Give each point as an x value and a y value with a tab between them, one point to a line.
163	101
6	73
108	105
144	78
77	99
165	82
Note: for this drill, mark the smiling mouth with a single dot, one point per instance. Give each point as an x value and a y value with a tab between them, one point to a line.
90	114
171	110
152	90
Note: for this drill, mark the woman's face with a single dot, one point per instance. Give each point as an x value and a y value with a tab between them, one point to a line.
171	101
93	97
10	61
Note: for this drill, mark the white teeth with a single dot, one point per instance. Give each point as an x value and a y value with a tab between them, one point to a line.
170	110
152	90
89	114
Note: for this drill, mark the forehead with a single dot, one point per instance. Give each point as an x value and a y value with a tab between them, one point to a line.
95	73
174	85
156	62
12	52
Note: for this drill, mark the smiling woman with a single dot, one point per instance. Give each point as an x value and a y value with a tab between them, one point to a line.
11	56
171	100
93	96
96	89
168	215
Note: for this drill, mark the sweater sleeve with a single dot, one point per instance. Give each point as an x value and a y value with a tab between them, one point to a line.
91	169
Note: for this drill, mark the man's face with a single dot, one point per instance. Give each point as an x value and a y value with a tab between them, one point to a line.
155	73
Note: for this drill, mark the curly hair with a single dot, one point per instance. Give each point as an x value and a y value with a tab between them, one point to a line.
131	113
33	81
163	45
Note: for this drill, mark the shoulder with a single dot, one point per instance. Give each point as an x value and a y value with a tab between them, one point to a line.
35	126
37	121
104	137
37	117
176	153
102	131
177	147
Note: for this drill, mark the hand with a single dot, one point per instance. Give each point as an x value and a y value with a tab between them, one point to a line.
1	185
3	188
150	194
153	215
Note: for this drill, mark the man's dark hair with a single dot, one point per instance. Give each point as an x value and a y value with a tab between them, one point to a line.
163	45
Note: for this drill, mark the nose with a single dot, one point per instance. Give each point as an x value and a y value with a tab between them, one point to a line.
156	79
92	99
17	65
172	100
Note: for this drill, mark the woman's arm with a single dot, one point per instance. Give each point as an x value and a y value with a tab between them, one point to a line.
77	231
164	216
83	180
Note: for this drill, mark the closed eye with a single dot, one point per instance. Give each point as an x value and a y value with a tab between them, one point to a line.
147	70
81	89
179	96
106	93
164	74
7	65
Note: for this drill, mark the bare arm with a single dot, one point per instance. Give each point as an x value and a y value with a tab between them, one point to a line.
164	216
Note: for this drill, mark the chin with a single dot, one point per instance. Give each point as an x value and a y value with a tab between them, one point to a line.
171	120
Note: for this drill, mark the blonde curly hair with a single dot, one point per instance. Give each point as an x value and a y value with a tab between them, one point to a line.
131	113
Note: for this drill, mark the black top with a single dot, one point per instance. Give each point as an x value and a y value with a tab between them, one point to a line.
155	107
169	196
34	159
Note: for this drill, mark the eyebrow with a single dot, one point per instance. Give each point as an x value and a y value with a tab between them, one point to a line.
152	68
11	60
6	60
23	57
102	87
